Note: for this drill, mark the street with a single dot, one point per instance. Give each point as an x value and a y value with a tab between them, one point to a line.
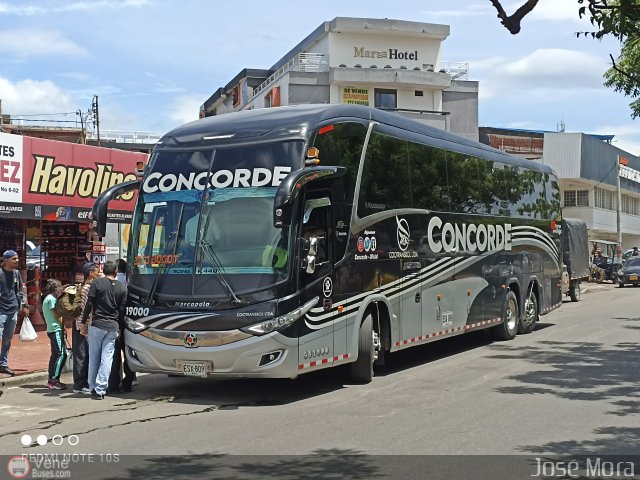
569	388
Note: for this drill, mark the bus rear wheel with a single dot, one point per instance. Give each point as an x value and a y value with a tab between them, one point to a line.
530	315
509	327
361	371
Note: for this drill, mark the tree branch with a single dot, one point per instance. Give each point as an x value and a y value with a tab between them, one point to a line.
512	23
633	78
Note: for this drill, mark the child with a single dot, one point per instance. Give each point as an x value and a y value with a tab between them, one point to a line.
55	332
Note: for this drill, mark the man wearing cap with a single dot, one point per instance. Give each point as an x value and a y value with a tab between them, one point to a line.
10	302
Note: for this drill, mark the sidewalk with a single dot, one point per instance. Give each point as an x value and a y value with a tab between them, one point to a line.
30	360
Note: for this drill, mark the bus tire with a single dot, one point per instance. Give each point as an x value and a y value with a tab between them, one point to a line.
574	292
529	317
361	371
509	327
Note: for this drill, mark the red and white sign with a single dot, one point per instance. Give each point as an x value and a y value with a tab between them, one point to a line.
11	168
53	180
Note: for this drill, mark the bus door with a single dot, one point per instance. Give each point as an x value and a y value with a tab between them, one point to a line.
317	279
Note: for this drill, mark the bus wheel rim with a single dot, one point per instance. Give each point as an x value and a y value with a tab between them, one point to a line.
511	317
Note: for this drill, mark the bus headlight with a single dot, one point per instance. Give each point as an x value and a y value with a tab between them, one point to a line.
134	325
283	321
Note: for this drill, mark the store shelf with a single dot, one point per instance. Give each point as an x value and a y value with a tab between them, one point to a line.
63	250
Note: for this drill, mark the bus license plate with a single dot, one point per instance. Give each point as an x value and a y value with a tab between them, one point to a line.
633	277
193	369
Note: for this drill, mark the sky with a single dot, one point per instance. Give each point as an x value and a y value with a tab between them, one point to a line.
152	63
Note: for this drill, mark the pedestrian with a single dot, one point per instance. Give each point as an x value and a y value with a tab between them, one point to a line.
11	300
121	276
55	332
106	303
120	365
80	344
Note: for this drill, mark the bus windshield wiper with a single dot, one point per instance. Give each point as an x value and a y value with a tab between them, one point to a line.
207	248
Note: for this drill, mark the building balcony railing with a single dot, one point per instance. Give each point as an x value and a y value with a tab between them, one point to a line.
317	62
458	71
410	110
302	62
125	136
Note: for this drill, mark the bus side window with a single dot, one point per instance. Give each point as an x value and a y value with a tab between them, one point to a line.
316	224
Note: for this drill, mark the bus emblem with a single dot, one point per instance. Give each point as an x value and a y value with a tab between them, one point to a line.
360	244
327	287
403	233
191	340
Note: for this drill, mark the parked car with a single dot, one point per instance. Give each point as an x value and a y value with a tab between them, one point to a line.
628	253
629	273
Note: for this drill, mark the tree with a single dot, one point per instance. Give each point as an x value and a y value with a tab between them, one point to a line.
617	18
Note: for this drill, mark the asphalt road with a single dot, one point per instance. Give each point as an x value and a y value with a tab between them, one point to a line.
569	388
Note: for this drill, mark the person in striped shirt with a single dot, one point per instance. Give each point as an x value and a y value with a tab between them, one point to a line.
80	345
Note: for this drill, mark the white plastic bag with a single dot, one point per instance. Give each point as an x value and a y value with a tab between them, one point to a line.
68	363
27	332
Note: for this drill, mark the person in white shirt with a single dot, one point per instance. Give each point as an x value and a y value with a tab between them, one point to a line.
121	276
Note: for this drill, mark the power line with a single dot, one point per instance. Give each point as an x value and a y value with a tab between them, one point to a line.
41	114
42	120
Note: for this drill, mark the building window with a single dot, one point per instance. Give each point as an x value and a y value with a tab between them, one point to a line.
604	198
235	95
386	99
272	99
630	205
576	198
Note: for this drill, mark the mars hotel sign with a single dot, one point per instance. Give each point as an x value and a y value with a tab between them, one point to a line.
391	54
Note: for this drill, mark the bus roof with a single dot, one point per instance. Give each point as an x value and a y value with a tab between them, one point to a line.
263	121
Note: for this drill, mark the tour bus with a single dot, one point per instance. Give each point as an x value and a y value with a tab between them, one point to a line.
280	241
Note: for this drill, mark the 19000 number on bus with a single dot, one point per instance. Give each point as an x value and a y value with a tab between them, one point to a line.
137	311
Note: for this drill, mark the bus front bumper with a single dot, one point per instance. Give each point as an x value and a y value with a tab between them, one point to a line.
267	356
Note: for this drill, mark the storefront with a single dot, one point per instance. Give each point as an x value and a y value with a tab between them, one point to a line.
47	190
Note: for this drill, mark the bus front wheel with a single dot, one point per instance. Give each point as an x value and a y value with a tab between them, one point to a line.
361	371
509	327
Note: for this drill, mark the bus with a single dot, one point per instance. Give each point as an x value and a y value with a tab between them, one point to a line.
280	241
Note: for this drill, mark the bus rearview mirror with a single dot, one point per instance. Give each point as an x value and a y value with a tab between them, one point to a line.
101	205
313	246
310	264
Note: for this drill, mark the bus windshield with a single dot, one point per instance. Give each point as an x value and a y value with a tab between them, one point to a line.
187	226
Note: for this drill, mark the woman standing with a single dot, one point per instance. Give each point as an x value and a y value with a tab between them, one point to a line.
55	332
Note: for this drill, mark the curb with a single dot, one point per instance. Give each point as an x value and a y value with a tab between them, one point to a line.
38	376
7	382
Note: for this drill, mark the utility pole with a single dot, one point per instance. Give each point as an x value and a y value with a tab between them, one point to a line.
83	136
620	160
96	116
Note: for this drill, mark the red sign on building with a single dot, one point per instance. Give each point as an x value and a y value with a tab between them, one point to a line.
47	179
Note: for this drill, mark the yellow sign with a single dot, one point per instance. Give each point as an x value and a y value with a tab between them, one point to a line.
355	96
